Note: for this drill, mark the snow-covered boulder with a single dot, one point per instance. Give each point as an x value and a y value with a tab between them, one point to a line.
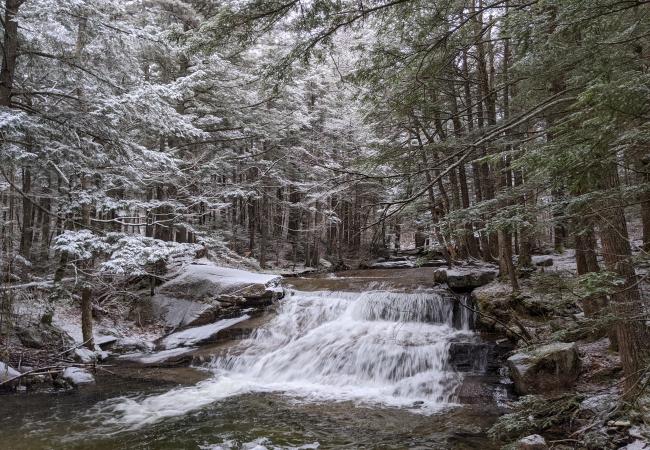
84	355
466	278
547	368
78	376
404	262
131	344
201	335
172	357
532	442
7	372
204	292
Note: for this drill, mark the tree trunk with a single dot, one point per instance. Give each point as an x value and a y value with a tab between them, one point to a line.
87	317
631	329
10	51
27	234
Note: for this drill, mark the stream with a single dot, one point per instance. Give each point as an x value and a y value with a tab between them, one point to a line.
366	359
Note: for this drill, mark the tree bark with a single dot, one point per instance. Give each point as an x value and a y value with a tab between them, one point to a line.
10	50
27	234
631	329
87	317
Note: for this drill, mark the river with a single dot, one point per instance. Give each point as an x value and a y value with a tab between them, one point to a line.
360	360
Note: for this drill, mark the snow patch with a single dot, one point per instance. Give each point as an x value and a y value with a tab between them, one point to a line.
77	376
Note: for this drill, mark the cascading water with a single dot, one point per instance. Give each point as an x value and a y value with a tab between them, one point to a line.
376	347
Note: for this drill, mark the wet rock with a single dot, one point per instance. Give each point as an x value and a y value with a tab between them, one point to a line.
465	278
532	442
547	368
78	376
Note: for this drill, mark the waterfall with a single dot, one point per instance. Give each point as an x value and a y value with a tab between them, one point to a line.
376	347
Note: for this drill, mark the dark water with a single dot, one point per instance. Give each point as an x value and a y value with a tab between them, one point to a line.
64	421
263	420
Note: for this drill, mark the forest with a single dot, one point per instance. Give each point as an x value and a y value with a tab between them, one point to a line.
479	169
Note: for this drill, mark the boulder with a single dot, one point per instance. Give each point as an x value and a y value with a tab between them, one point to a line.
598	405
493	301
547	368
78	376
397	262
542	261
84	355
465	278
201	335
166	358
7	372
532	442
131	344
42	335
204	292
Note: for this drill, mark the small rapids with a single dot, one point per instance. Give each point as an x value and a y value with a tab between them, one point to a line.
376	347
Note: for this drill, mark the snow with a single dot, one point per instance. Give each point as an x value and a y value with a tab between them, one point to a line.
7	372
85	355
77	376
196	335
226	276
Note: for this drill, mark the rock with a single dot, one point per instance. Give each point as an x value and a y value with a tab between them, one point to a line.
105	341
42	335
84	355
547	368
78	376
397	262
494	302
542	261
532	442
598	404
204	292
201	335
131	344
177	313
636	445
7	372
464	278
166	358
